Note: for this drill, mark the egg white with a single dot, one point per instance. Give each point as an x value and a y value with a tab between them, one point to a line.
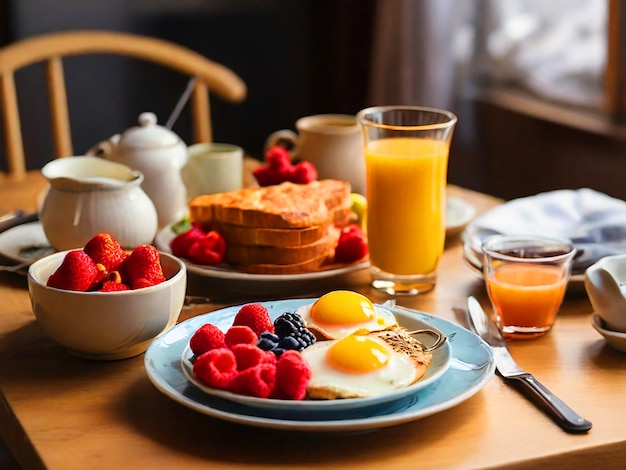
383	321
329	382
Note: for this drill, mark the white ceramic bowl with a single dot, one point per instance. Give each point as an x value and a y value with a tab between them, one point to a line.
605	282
106	325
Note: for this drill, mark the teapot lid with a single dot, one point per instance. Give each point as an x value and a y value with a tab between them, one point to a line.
148	134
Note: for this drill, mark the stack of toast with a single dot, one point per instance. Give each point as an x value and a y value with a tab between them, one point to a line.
281	229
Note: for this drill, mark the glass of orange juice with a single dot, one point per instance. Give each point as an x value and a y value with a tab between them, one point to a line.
526	279
406	163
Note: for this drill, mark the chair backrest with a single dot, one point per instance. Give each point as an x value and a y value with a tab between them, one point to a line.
53	48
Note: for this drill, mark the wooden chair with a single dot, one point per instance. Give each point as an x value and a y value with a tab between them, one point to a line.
53	48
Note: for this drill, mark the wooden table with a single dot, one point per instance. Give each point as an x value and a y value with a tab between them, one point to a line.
61	412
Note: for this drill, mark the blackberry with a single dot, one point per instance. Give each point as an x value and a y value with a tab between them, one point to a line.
289	327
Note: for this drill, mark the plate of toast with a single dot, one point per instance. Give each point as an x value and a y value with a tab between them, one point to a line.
284	233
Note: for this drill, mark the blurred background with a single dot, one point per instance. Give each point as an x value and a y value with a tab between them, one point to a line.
536	85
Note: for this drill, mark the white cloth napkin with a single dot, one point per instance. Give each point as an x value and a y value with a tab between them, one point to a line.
593	221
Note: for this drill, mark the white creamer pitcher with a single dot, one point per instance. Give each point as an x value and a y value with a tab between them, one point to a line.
160	155
90	195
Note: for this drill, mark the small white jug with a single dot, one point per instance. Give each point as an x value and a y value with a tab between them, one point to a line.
89	195
605	282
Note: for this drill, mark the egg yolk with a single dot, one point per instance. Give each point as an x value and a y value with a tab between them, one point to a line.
358	354
343	308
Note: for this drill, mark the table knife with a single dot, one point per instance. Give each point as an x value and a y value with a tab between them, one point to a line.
506	366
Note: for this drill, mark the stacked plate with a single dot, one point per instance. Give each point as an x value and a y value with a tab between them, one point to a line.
594	222
460	368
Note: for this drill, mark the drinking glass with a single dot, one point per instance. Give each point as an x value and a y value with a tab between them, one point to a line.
526	279
406	161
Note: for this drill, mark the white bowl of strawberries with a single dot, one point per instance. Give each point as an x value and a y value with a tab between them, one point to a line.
101	302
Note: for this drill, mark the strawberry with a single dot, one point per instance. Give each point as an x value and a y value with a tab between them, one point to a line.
277	157
181	243
303	173
209	249
278	169
293	374
352	245
256	317
111	286
76	272
104	249
205	338
142	268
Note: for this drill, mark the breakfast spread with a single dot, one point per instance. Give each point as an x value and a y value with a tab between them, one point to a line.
102	265
340	346
286	228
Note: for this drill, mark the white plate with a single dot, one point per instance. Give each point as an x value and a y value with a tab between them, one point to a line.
458	214
255	283
439	365
616	339
24	243
471	367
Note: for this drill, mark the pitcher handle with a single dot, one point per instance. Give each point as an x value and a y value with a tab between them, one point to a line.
284	135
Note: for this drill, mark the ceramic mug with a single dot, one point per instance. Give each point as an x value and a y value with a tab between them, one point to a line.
213	168
331	142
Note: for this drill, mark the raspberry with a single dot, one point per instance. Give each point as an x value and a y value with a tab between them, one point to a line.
248	355
293	374
303	173
256	317
181	243
76	272
216	368
142	267
205	338
104	249
257	381
352	245
112	286
240	334
209	249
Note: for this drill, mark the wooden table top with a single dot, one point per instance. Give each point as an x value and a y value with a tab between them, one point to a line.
61	412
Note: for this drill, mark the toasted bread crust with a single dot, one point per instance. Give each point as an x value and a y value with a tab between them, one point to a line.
282	206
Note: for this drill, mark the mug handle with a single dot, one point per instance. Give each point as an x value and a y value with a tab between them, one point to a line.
284	135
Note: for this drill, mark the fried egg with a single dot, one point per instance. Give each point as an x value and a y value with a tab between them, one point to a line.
357	366
341	313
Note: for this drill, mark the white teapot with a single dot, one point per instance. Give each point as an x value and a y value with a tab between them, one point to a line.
159	154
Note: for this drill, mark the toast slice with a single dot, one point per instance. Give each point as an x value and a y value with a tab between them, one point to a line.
278	237
283	206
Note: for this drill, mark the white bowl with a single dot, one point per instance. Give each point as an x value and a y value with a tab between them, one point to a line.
106	325
605	282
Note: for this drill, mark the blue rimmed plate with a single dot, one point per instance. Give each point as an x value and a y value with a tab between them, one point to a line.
282	408
471	367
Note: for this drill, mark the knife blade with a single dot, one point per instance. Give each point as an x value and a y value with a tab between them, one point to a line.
506	366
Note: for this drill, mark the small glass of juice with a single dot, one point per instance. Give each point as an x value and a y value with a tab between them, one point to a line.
526	279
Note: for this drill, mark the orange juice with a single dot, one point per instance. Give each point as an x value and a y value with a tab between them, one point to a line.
526	295
406	181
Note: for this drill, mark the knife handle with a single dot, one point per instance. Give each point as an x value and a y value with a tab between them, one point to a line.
565	417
